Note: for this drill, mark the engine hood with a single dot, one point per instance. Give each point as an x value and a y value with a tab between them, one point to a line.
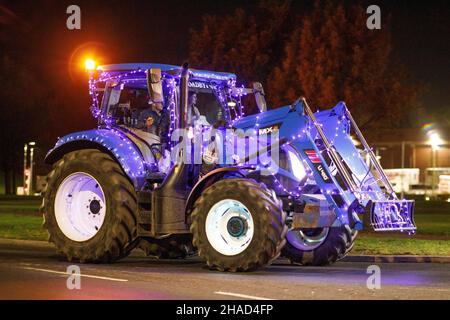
263	119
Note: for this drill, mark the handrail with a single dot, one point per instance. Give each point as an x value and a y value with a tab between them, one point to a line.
332	152
372	156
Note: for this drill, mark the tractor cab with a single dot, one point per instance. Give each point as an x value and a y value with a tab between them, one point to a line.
121	92
127	93
143	102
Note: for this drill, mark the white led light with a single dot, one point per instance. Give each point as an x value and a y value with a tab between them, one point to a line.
297	168
435	140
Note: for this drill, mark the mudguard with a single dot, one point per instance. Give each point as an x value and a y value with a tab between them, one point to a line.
209	179
108	140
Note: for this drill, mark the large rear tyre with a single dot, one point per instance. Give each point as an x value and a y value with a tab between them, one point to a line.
90	208
238	225
320	246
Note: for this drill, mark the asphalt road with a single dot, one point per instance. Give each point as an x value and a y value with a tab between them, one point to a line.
31	270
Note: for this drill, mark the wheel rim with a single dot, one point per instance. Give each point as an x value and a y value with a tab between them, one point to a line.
229	227
80	206
307	239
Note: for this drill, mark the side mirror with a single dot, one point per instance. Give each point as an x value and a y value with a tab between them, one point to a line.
259	96
154	85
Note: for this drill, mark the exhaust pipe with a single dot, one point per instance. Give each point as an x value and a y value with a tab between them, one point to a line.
184	83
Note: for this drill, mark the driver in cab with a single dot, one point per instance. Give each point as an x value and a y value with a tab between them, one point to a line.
155	120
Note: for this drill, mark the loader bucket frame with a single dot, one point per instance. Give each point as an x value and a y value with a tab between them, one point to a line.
351	179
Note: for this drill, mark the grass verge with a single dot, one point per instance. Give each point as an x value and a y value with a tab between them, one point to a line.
19	219
370	245
19	226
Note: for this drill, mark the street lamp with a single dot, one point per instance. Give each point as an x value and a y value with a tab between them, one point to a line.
28	168
89	65
434	140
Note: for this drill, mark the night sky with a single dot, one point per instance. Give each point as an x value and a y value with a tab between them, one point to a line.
158	31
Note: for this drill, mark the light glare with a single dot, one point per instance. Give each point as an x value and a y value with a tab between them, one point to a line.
297	167
89	64
435	140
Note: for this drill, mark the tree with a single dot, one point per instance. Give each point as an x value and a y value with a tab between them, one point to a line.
25	99
332	56
249	44
19	107
327	55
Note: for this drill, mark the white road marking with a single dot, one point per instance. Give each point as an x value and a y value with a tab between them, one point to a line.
239	295
82	275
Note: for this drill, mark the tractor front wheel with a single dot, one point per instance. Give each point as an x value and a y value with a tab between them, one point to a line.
238	225
319	246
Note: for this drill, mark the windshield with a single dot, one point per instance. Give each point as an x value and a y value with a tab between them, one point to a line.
204	107
124	102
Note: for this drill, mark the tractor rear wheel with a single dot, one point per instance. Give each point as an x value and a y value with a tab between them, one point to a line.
90	208
319	246
238	225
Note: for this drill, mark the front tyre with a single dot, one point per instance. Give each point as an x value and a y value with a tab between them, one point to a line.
319	246
90	208
238	225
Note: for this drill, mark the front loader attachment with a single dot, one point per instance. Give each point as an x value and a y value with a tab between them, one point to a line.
392	215
356	172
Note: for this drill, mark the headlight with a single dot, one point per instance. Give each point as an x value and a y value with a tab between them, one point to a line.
296	165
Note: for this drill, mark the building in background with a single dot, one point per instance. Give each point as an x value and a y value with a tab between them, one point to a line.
411	149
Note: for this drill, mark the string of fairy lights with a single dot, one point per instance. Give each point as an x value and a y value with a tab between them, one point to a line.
224	93
125	152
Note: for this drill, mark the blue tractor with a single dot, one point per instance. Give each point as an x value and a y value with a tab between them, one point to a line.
185	161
